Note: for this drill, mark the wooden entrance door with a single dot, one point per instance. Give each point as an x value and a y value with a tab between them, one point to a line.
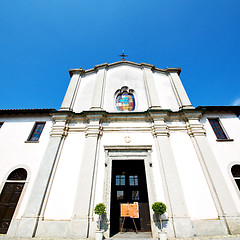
9	197
129	186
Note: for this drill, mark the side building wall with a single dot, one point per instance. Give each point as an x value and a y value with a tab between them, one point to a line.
16	152
227	152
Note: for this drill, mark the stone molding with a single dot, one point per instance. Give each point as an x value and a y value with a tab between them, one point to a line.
91	122
128	63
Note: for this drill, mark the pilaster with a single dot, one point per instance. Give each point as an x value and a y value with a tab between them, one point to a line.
79	225
152	95
219	190
97	102
33	213
181	95
177	209
70	96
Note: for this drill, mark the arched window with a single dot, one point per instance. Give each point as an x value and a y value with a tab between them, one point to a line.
10	196
125	99
236	174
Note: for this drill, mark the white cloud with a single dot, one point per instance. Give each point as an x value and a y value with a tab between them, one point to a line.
236	102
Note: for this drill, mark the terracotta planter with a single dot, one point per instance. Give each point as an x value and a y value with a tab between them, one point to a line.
99	234
162	235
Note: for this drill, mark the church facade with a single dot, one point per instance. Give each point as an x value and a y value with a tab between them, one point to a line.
125	132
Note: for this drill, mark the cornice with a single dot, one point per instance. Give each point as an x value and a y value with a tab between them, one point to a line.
150	115
33	111
127	147
225	109
122	63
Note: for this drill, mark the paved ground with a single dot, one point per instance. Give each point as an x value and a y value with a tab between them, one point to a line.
147	236
133	236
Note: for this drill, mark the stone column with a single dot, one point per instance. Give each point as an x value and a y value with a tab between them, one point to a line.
97	102
152	95
220	192
27	226
80	222
181	95
70	96
180	223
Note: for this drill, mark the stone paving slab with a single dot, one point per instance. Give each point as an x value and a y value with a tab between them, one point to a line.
132	237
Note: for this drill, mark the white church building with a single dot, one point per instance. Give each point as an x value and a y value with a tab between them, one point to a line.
126	132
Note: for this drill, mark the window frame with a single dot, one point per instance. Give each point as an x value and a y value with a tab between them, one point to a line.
222	129
234	177
32	133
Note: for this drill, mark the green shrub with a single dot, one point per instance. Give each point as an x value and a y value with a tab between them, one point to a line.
159	208
100	209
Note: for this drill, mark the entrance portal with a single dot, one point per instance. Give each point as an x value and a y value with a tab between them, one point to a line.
128	185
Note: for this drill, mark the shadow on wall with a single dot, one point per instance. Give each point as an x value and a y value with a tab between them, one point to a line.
104	222
156	219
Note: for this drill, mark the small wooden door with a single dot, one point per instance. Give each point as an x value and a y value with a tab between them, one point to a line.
9	197
129	186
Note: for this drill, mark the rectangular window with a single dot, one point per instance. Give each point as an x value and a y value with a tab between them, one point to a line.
36	131
135	195
120	195
120	180
133	180
217	128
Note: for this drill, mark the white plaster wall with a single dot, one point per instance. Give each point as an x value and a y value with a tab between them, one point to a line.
129	76
199	201
15	153
85	93
61	199
165	92
226	153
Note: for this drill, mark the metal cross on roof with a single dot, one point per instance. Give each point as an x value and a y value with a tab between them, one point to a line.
123	56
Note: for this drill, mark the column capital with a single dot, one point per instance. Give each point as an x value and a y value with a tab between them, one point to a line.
193	125
160	128
94	126
60	126
195	129
93	130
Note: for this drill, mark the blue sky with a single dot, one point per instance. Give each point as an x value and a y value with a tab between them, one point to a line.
41	40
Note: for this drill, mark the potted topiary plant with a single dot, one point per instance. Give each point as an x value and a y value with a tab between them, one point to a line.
99	209
160	208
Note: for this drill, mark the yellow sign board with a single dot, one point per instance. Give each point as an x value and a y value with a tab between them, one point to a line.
130	210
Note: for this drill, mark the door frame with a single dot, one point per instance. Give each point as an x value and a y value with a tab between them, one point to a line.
124	153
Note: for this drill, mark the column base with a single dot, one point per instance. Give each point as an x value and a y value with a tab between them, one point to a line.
78	228
26	227
233	225
183	227
210	227
52	229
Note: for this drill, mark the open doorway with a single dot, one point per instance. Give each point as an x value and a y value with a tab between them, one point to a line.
128	185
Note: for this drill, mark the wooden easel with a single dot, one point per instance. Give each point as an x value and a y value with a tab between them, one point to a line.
129	210
133	223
